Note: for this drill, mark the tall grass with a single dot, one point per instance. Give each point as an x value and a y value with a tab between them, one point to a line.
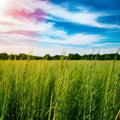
59	90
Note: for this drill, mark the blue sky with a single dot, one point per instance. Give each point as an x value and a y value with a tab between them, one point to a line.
53	26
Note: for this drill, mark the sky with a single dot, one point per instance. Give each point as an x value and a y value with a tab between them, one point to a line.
39	27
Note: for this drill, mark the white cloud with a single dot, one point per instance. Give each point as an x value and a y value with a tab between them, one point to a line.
16	39
54	50
47	32
21	5
105	45
77	39
22	25
82	39
16	49
54	35
84	16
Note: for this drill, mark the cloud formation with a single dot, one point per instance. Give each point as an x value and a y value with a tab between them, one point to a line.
34	22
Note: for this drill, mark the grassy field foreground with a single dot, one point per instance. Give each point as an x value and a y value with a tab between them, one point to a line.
59	90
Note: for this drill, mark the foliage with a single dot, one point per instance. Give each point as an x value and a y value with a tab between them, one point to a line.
22	56
59	90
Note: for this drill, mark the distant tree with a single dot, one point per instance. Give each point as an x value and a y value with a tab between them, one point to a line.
4	56
40	58
118	57
17	57
56	57
85	57
12	57
23	56
74	57
97	57
47	57
35	57
70	56
107	57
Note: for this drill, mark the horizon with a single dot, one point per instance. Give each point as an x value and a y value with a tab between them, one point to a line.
63	54
57	26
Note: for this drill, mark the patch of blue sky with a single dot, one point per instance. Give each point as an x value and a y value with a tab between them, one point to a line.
113	19
96	4
54	37
53	18
73	28
52	45
109	40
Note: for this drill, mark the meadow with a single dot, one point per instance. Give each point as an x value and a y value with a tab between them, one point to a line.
59	90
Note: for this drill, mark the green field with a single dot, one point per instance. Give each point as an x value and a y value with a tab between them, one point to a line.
59	90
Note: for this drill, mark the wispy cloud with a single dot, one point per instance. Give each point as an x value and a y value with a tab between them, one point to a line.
84	16
17	24
53	50
25	25
16	39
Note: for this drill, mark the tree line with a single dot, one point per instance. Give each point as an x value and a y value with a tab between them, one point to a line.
76	56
